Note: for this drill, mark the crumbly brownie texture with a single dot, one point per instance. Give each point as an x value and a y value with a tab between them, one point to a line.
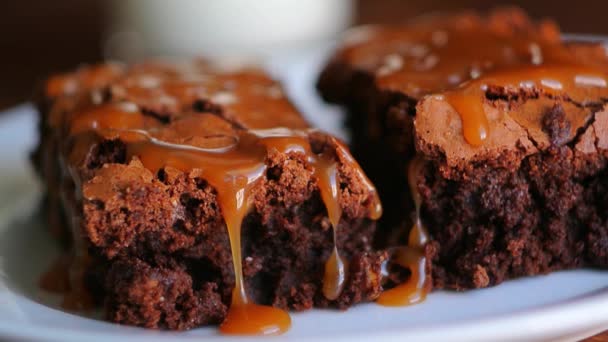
531	197
157	253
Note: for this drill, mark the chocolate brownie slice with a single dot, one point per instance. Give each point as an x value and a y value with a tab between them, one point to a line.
175	183
507	126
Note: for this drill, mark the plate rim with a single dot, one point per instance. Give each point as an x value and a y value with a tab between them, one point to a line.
590	310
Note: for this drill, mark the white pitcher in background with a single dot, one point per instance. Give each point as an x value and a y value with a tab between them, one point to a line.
220	28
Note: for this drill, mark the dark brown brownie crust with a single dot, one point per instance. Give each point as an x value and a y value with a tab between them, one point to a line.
534	204
159	254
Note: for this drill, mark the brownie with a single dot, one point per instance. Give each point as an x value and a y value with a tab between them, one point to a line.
146	165
508	126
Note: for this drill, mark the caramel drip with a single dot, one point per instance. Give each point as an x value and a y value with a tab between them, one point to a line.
245	317
234	171
468	99
416	287
253	319
335	267
475	126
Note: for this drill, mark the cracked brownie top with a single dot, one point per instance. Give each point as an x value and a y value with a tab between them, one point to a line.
483	87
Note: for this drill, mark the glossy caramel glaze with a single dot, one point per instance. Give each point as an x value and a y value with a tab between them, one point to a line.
228	151
335	267
463	56
411	256
553	79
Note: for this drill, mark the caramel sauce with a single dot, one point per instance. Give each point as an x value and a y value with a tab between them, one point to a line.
468	99
416	287
335	267
115	115
334	276
460	57
469	105
253	319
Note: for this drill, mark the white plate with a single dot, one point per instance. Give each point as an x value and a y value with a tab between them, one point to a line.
561	306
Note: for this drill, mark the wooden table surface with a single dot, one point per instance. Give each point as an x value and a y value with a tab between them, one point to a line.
41	37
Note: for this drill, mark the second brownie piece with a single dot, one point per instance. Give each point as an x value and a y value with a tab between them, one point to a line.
507	126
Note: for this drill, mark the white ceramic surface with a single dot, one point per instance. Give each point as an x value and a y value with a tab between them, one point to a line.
562	306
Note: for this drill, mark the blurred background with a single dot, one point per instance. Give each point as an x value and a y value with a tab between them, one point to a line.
40	37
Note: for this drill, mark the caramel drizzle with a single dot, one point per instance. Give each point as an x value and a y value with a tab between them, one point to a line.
335	267
415	289
460	57
234	170
468	99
